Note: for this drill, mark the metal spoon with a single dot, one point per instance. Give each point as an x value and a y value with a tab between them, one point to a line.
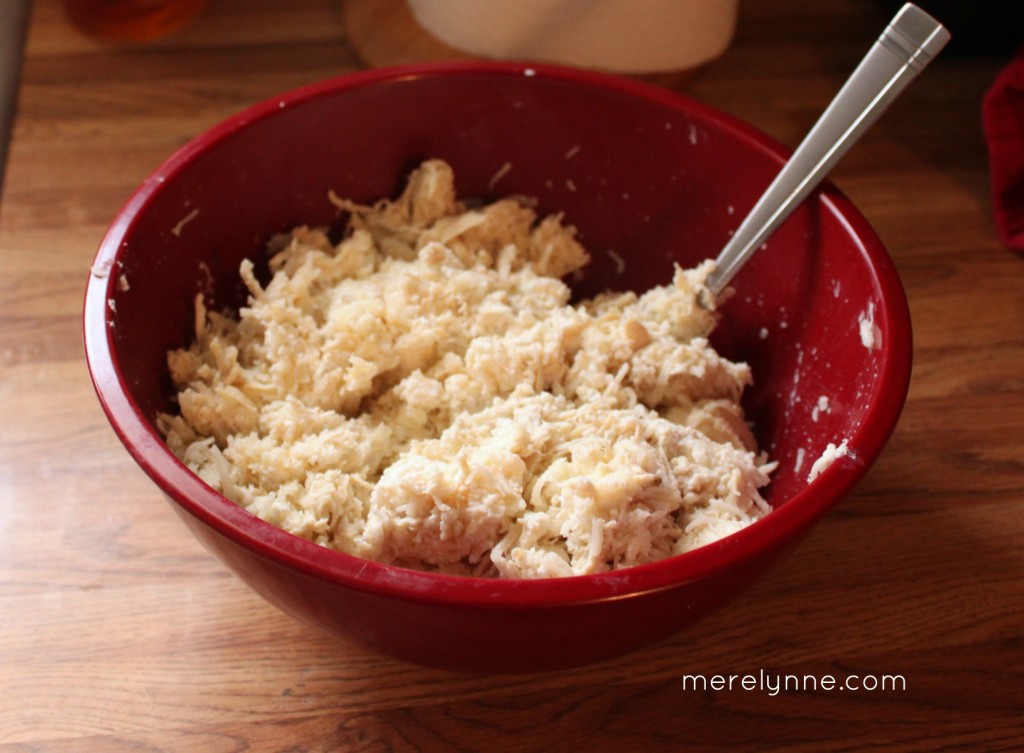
908	44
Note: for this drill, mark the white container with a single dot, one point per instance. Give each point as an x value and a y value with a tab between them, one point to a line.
624	36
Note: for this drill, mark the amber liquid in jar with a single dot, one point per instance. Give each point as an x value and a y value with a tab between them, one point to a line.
131	20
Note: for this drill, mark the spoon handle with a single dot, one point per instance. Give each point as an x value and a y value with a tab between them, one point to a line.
907	45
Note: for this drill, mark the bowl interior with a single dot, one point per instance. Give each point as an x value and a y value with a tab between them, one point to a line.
650	179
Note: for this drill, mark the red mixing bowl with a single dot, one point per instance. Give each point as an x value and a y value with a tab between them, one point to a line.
651	179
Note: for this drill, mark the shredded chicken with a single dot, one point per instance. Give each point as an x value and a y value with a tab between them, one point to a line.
423	394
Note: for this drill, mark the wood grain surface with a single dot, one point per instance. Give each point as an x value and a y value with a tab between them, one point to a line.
118	632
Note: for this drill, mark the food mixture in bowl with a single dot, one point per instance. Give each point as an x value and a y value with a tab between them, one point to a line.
424	394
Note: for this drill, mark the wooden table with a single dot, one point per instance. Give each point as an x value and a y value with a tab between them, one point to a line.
118	632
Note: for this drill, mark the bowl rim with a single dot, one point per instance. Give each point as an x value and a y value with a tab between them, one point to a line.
783	525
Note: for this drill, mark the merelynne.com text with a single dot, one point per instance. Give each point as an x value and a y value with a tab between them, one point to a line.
774	683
